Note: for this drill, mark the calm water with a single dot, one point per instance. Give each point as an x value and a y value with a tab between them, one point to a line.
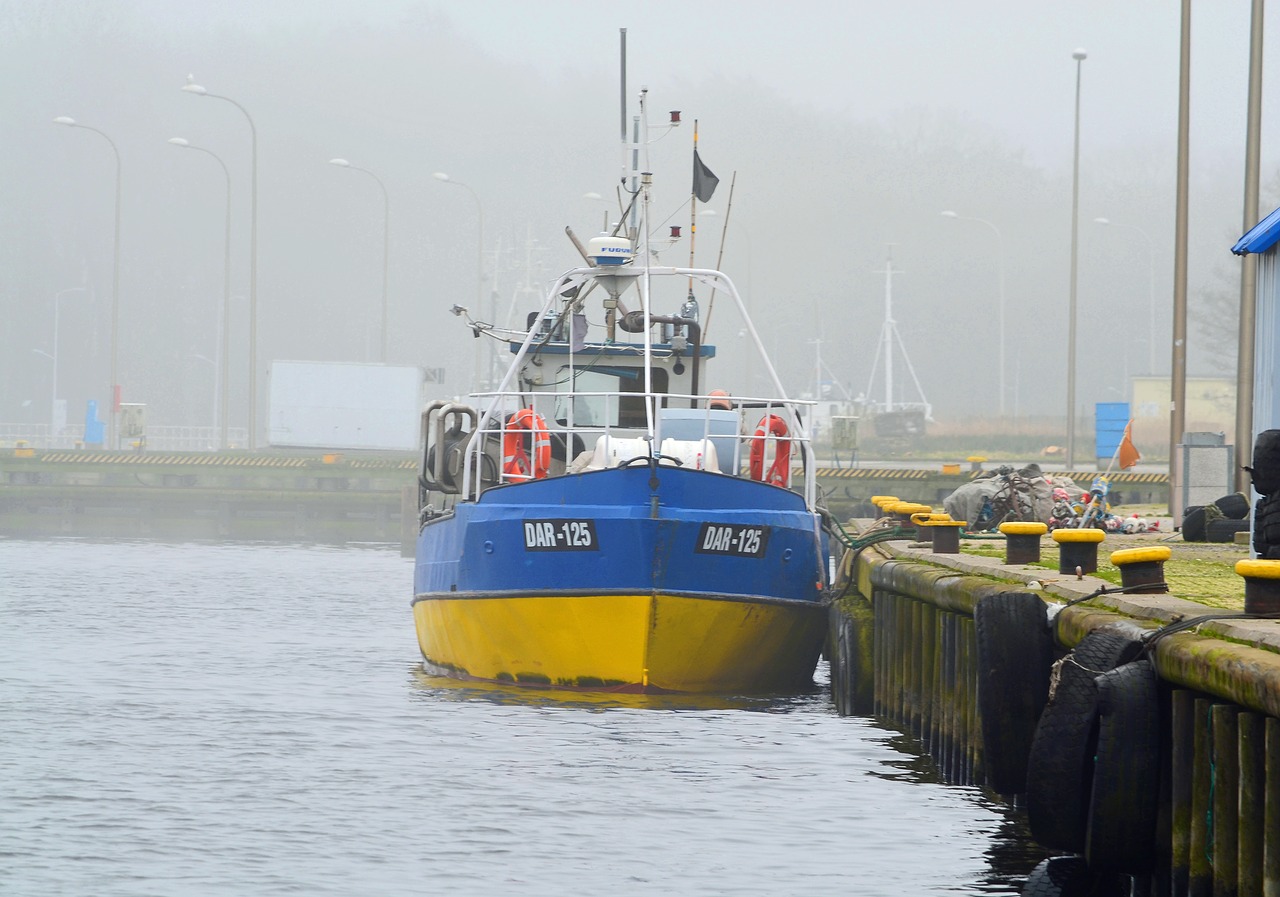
253	720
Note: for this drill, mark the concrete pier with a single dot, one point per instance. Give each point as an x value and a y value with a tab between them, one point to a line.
1218	829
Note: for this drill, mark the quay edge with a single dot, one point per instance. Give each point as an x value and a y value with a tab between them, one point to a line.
902	648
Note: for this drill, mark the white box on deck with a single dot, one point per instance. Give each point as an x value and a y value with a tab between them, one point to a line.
314	404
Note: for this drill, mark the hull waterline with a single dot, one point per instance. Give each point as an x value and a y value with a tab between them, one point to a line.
660	642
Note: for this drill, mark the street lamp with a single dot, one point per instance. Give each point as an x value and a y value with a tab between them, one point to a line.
1000	279
222	369
115	284
386	243
193	88
1079	56
441	176
53	408
1151	287
596	197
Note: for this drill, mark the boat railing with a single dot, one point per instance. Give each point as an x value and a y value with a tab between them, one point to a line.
526	436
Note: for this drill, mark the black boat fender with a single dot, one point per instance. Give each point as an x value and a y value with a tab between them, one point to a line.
1124	800
1060	765
1015	654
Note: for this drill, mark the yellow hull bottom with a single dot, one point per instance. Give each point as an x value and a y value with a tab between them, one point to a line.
652	643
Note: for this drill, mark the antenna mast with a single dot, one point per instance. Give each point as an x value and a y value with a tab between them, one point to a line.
889	336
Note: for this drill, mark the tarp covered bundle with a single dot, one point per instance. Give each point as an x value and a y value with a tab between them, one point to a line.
1005	494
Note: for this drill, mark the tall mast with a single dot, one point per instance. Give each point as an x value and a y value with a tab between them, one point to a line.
889	327
622	34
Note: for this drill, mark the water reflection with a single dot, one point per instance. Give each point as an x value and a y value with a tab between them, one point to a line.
433	687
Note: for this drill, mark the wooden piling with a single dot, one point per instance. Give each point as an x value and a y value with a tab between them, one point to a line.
915	689
975	773
1200	867
1182	760
884	638
1271	824
962	707
1252	791
928	697
935	718
1226	799
877	652
948	693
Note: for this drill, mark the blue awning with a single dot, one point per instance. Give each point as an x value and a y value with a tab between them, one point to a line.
1261	237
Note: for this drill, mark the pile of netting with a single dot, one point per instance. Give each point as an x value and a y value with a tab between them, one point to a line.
1006	494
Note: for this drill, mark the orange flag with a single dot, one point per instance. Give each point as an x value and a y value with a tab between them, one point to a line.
1129	454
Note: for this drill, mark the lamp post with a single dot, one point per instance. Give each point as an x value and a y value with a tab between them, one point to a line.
115	285
53	407
441	176
386	244
1079	55
1151	286
193	88
222	369
596	197
1000	281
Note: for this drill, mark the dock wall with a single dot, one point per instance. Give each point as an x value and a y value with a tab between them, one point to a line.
904	649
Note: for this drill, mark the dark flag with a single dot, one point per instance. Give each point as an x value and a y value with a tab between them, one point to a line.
704	182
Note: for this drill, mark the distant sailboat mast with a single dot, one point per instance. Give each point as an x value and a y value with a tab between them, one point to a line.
890	330
889	336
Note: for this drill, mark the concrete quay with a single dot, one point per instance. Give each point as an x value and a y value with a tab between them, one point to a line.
1177	794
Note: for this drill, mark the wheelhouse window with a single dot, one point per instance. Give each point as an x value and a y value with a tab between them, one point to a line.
622	402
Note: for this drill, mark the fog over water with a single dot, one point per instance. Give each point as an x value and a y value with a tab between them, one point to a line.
848	126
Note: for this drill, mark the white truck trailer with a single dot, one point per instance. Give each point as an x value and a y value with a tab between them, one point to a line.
344	405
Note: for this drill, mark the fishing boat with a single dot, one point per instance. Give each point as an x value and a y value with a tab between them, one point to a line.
600	519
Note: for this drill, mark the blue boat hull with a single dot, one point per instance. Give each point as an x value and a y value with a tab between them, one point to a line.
619	578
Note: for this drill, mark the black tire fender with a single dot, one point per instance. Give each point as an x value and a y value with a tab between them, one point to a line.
1266	524
1015	654
1235	505
1060	765
1193	524
1124	800
1266	462
1259	526
1224	529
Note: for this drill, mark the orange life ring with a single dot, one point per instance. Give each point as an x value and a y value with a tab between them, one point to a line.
515	461
780	471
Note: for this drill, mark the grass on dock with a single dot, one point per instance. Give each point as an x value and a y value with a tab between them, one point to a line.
1203	572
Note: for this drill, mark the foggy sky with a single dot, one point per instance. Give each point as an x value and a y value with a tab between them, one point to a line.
849	125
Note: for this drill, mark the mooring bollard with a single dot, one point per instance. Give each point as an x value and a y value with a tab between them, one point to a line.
1022	541
1142	569
907	512
924	524
946	535
880	501
1078	548
1261	585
